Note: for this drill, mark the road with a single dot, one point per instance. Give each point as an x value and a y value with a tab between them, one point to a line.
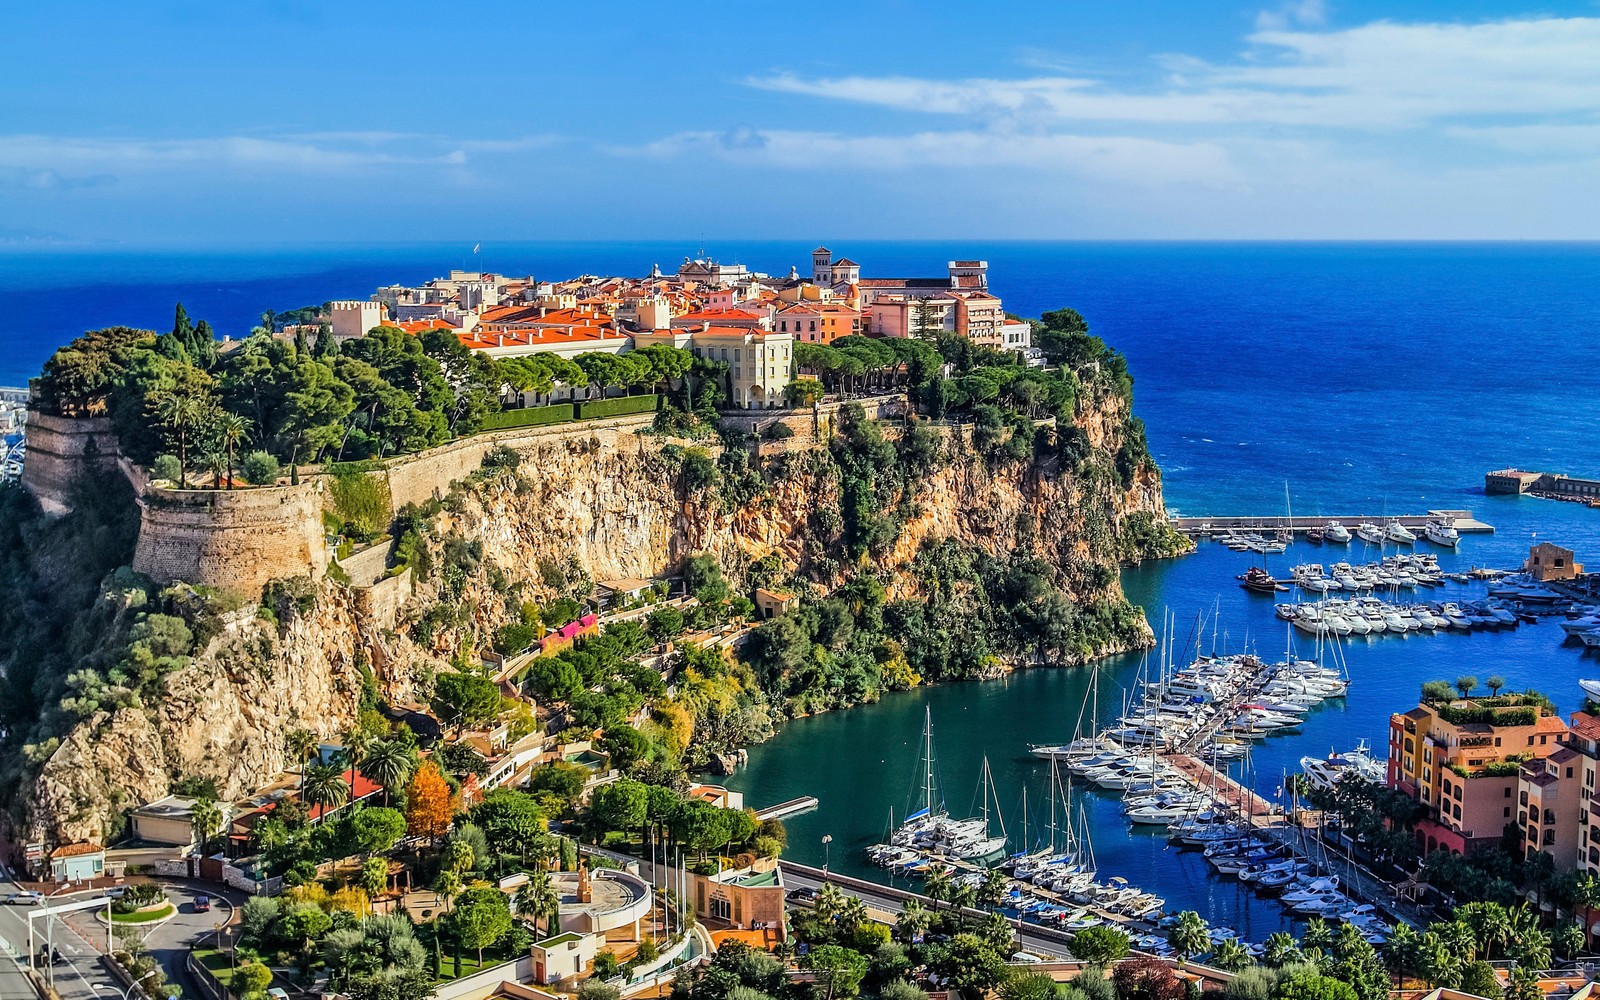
169	941
75	978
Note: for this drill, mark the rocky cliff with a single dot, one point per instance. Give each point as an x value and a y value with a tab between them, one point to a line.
523	530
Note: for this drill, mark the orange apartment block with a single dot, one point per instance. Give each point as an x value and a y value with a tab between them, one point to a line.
1463	760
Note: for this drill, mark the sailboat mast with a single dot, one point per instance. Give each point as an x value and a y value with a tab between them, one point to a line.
927	759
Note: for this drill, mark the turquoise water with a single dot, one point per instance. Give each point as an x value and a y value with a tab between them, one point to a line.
1370	378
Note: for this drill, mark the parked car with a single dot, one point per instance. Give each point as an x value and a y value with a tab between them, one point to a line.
803	896
116	892
27	898
202	904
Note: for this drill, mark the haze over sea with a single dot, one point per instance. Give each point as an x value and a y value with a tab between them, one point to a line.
1371	378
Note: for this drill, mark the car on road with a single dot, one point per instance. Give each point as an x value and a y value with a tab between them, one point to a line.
803	895
116	892
202	903
278	993
27	898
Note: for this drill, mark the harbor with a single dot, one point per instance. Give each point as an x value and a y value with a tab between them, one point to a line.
1002	718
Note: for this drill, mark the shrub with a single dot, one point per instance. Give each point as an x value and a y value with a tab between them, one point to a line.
778	431
259	467
533	416
593	408
165	467
362	501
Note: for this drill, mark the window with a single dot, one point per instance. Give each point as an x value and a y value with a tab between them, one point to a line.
1507	813
1569	772
1497	741
1549	837
1508	792
736	354
1456	810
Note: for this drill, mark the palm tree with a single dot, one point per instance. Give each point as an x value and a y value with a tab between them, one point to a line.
447	886
1317	938
538	900
914	920
297	746
388	762
1437	962
1231	956
829	901
1190	936
1495	683
993	888
234	430
852	914
204	818
357	742
179	413
1281	949
1524	984
963	896
1490	924
324	786
1402	952
936	885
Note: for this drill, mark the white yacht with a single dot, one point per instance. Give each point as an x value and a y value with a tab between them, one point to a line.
1397	532
1442	532
1337	533
1370	533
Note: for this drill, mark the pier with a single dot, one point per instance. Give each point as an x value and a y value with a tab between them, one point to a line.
793	807
1204	527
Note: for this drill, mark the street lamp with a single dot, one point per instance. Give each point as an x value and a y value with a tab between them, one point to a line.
827	851
99	988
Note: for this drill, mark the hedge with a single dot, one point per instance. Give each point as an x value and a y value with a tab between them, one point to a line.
617	407
533	416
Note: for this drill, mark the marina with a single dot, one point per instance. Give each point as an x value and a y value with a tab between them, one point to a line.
1217	526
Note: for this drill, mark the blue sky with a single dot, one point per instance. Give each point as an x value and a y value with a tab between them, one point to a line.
206	123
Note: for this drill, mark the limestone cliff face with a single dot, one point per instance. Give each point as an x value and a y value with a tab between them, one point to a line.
612	509
224	717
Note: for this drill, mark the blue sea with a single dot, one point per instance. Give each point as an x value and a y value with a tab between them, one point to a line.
1357	378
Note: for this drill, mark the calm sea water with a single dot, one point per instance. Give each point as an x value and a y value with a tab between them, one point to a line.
1362	378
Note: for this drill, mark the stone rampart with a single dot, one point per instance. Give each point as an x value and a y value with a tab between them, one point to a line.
428	474
231	539
60	450
808	425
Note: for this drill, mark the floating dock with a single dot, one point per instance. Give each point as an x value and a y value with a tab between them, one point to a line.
793	807
1205	527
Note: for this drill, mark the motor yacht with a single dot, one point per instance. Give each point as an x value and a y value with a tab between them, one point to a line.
1369	533
1397	532
1336	533
1442	532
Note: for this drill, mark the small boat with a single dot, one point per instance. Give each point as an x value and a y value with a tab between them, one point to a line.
1336	533
1259	580
1315	536
1591	688
1370	533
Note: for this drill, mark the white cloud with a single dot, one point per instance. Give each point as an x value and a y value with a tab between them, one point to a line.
1119	159
1379	76
1307	12
68	154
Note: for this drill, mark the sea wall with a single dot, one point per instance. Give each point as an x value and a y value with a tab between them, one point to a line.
60	450
231	539
808	424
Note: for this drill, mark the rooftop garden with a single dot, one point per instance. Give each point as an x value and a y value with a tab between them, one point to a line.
1458	705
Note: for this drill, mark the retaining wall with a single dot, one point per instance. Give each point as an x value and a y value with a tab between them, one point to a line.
807	425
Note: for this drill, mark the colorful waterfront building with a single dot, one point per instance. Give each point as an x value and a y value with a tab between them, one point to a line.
1463	760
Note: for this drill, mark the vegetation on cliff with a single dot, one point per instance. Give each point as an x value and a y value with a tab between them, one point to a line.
175	397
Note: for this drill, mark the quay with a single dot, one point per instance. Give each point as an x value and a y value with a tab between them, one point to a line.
1271	822
1463	521
793	807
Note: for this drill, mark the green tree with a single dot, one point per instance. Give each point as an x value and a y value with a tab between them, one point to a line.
1099	946
969	963
480	918
234	431
839	968
1466	685
1494	683
1281	949
538	900
375	830
251	979
620	805
1479	979
1023	985
466	699
1230	955
913	921
389	763
375	873
1309	986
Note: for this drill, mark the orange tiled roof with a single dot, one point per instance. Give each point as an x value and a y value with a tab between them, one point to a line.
76	850
539	335
1585	726
424	325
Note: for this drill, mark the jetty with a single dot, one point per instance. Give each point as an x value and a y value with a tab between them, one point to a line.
1205	527
793	807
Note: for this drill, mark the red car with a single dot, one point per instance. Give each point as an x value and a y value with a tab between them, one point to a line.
202	904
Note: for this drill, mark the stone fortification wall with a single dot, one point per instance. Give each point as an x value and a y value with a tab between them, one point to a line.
232	539
427	475
805	424
60	449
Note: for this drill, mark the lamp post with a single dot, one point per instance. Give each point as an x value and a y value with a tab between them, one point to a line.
827	851
101	988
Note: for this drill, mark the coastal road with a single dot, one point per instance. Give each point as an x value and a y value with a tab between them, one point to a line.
75	978
169	942
1031	938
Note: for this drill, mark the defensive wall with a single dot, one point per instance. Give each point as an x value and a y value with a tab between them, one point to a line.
238	540
231	539
60	450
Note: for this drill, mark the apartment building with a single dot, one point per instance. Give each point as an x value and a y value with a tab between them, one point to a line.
1463	760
